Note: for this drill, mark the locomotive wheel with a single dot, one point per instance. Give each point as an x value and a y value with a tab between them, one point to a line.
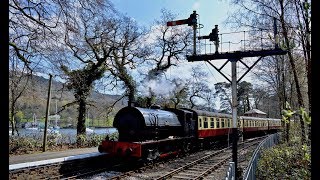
186	147
149	155
156	154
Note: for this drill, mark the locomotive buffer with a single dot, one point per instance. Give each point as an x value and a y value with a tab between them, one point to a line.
233	57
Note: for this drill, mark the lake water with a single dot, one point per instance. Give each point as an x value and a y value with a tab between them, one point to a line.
68	133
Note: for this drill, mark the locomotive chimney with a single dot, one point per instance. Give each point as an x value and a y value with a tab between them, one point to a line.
131	103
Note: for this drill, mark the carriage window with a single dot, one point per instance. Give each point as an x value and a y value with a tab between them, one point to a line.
205	123
218	123
245	123
200	123
212	123
239	123
222	123
228	120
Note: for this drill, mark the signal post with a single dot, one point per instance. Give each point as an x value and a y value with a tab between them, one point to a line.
232	57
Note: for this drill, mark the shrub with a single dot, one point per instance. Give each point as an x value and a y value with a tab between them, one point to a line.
94	140
288	160
285	162
22	144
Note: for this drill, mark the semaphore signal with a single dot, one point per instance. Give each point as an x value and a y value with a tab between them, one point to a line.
191	21
178	22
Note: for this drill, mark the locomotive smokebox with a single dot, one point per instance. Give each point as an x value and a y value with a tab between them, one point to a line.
139	124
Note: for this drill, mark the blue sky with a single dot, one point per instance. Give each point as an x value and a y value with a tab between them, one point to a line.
211	12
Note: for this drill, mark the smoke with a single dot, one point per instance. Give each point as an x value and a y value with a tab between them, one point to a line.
160	87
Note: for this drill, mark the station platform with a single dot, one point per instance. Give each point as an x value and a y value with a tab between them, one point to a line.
49	157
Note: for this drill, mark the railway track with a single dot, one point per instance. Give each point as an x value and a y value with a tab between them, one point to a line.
193	166
204	166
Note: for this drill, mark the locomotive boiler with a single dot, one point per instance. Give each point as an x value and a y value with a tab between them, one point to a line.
140	124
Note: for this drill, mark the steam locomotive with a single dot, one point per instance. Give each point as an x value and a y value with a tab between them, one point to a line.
153	133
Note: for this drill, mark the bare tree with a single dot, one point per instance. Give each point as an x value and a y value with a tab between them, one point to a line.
97	43
86	46
179	94
198	87
259	13
170	44
223	91
18	83
30	28
129	53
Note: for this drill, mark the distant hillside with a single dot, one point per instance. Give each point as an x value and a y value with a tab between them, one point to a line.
34	100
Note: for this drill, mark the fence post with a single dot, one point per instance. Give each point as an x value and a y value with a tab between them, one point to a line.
231	173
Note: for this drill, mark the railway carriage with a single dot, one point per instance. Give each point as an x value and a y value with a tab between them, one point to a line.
152	133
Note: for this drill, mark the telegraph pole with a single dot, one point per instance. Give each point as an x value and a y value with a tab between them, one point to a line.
47	115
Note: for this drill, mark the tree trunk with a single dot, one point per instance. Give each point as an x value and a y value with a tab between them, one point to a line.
309	72
81	126
131	95
306	44
248	103
12	119
288	130
293	67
